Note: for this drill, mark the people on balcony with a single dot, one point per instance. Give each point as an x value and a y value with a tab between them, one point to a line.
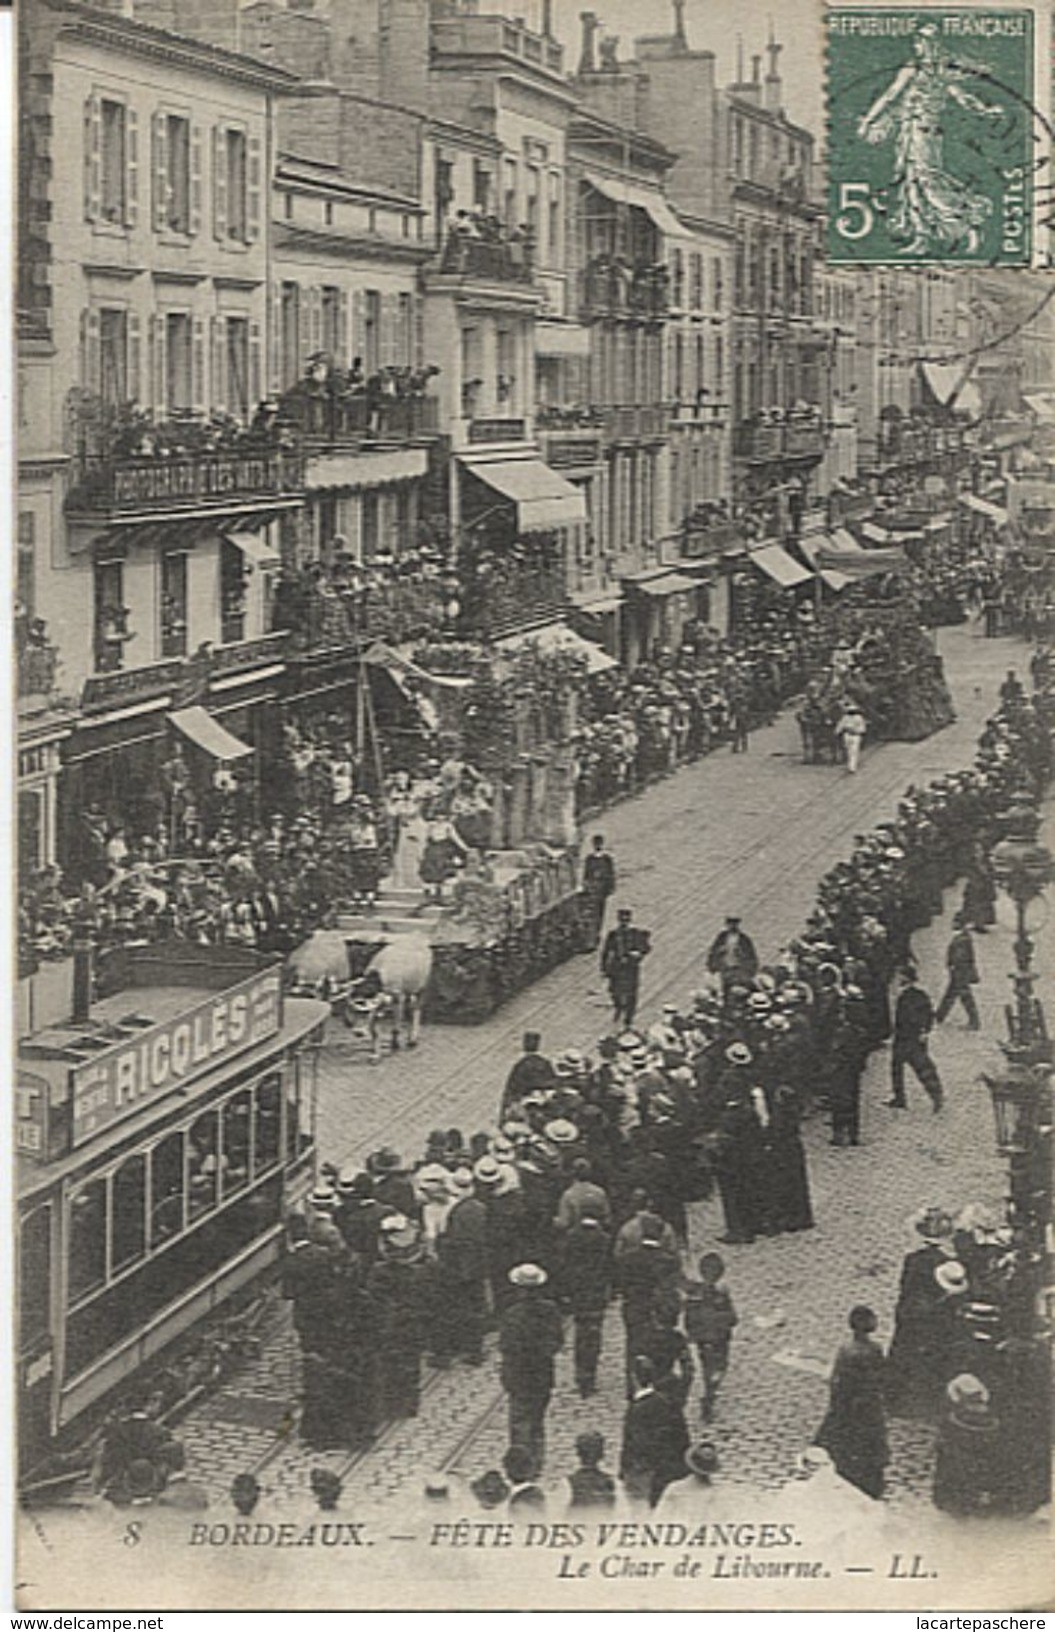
37	658
333	401
577	417
615	284
480	243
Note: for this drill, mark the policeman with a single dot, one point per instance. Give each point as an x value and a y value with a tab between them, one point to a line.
625	948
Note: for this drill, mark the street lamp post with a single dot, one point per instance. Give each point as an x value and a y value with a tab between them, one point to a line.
1021	1094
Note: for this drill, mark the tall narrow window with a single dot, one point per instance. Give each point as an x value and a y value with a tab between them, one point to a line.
331	321
173	605
290	338
237	163
238	367
25	566
113	355
178	387
177	159
114	173
719	292
111	616
369	525
372	331
405	337
34	1276
86	1260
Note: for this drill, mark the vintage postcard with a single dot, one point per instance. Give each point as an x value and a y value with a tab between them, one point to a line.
534	548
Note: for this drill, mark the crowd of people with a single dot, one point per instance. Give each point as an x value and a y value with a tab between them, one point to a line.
574	1196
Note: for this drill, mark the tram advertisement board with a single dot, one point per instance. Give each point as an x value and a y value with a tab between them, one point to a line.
174	1052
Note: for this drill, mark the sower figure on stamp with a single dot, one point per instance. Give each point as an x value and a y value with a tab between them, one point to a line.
624	949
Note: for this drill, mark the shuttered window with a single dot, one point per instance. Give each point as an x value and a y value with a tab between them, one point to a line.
237	360
289	336
113	192
113	355
178	345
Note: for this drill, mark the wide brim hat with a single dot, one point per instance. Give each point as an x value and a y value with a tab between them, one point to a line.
528	1275
561	1132
952	1277
966	1389
739	1054
487	1171
702	1458
385	1160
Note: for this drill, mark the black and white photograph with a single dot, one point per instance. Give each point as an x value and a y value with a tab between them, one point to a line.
533	741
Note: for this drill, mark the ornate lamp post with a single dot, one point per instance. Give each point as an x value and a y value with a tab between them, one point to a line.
1021	1095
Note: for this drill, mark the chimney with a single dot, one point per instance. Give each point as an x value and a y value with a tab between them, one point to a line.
547	19
774	91
680	37
739	59
587	61
756	70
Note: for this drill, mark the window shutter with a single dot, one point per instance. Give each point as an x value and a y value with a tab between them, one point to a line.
195	179
256	389
197	366
91	359
344	344
390	331
315	318
161	172
93	158
132	158
304	325
135	359
275	382
417	325
218	391
157	348
254	164
219	182
359	325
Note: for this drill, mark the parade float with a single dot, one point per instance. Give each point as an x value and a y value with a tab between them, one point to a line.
483	842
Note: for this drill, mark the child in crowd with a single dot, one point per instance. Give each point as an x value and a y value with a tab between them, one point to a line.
710	1316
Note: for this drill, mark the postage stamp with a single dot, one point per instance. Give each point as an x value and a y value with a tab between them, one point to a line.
931	136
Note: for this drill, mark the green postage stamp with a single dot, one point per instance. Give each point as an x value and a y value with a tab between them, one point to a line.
932	136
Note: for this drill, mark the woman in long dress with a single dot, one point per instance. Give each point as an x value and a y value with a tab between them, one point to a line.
933	210
409	830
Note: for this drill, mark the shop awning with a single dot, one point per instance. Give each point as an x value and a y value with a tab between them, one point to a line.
843	539
206	733
561	339
969	400
387	657
777	564
639	198
256	550
944	379
664	584
1042	406
557	637
543	497
598	604
811	548
984	507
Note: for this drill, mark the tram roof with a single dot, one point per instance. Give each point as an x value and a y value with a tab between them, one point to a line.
301	1016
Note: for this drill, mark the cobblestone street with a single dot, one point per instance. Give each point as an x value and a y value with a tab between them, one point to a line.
751	834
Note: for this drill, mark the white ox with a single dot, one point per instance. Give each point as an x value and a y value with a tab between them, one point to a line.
390	992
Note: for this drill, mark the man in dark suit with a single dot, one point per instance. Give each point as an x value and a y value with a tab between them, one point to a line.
963	974
598	883
531	1072
655	1439
732	955
913	1019
625	947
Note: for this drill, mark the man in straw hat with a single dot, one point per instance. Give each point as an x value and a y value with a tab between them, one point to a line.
530	1336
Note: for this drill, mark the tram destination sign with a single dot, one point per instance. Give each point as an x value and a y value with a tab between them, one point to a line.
173	1053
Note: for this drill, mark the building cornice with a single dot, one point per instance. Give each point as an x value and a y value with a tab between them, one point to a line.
287	235
177	51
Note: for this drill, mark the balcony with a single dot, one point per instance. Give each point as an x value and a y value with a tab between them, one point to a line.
38	663
123	686
497	430
495	36
125	488
702	540
613	287
637	422
326	419
512	599
321	616
765	443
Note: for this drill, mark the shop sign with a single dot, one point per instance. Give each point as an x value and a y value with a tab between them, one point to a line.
31	1116
170	1055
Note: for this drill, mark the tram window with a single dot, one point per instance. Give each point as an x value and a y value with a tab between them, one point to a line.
205	1163
237	1116
128	1225
166	1189
268	1121
87	1260
34	1276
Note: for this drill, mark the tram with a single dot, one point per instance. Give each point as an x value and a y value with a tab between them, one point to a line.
162	1134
